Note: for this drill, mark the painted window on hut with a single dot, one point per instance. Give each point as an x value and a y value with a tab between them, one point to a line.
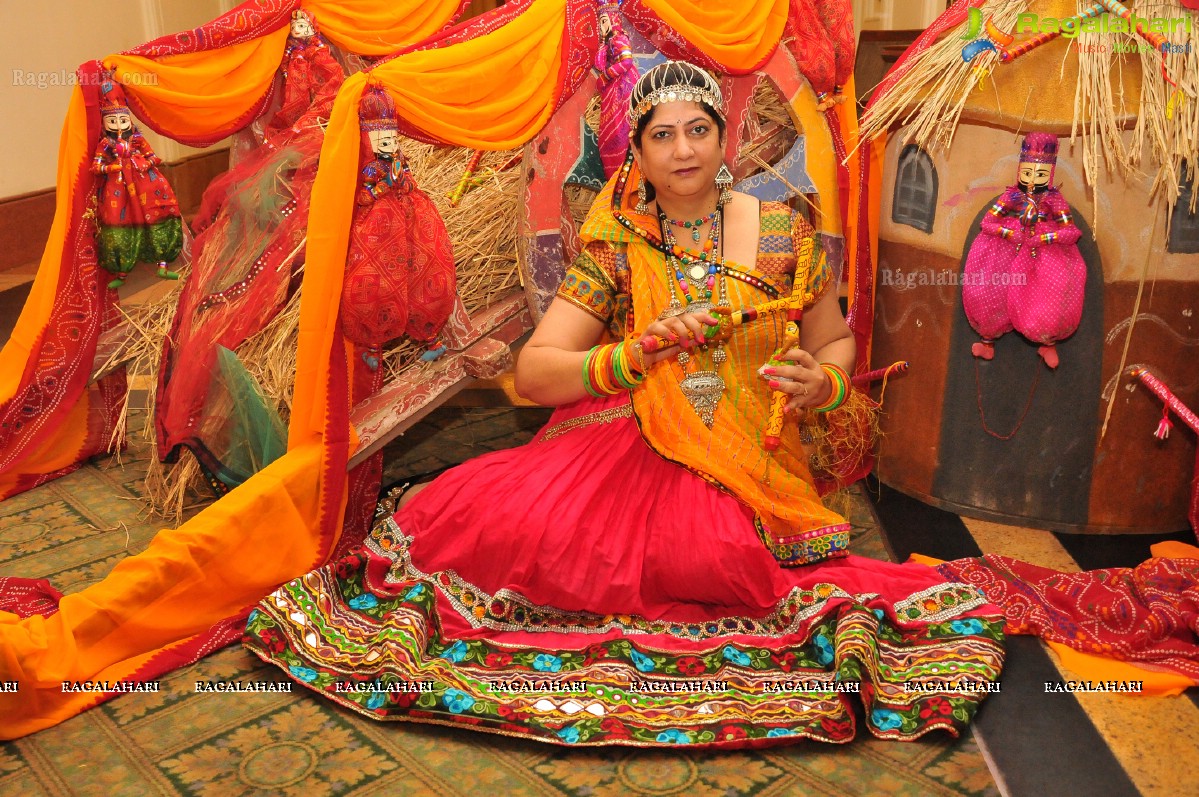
1184	224
915	202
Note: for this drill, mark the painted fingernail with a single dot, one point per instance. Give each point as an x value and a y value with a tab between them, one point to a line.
768	370
700	338
774	384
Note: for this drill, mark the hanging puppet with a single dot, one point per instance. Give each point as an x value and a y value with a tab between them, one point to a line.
251	233
308	69
1024	270
617	76
138	218
399	276
400	267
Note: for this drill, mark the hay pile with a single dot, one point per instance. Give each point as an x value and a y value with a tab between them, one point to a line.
483	228
1109	96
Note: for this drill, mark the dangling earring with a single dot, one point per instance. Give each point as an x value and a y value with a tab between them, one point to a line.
724	181
642	201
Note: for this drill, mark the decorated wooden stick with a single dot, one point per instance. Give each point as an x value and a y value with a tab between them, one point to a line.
1120	10
778	400
1172	402
460	190
1007	55
1187	416
486	174
861	380
731	318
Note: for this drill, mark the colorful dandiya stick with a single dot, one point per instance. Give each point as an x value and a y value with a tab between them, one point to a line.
486	174
1172	403
471	166
1008	55
732	318
861	380
771	439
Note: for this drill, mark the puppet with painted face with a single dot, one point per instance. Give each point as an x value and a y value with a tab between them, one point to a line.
400	276
1024	270
138	216
617	76
311	76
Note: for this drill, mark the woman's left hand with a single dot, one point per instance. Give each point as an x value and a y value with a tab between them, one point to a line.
802	377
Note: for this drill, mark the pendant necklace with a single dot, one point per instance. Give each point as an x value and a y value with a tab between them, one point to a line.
702	387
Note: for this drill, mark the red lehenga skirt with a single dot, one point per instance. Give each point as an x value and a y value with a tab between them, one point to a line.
582	590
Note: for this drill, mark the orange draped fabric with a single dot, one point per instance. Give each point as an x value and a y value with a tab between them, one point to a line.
284	520
190	94
380	27
737	36
73	149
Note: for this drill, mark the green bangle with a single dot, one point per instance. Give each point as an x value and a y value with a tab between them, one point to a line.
840	392
587	373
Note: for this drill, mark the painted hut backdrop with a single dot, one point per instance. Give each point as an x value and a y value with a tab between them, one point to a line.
1008	439
502	104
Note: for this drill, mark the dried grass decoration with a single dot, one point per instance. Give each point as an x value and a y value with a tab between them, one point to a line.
483	229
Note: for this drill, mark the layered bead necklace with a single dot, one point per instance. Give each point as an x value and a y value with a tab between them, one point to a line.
703	387
694	226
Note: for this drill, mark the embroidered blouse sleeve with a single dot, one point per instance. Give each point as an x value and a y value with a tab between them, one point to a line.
590	282
812	272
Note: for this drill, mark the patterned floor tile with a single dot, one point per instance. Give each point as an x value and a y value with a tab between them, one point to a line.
298	750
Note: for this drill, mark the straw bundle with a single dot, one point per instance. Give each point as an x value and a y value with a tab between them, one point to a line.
770	130
1169	115
483	228
936	83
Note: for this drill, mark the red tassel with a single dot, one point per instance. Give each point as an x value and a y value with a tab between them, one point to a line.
1164	426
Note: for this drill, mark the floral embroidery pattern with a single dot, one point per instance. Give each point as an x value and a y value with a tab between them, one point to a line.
385	656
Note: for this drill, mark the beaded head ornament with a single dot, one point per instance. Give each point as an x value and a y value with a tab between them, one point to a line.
112	98
673	81
377	121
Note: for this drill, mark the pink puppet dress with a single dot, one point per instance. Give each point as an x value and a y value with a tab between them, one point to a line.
617	76
1024	270
138	215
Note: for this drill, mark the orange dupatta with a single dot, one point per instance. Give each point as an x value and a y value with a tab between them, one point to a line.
776	485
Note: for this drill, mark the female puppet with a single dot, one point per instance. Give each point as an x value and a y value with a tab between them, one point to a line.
400	269
1024	271
618	75
251	232
308	70
138	216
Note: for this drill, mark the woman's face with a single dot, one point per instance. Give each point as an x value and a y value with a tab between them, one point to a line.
680	150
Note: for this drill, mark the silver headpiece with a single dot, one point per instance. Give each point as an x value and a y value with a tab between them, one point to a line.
658	86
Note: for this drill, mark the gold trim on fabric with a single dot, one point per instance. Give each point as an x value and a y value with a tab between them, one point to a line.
601	416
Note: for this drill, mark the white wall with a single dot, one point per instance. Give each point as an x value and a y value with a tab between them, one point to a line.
895	14
50	38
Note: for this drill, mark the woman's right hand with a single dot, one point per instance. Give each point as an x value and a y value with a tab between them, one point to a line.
686	331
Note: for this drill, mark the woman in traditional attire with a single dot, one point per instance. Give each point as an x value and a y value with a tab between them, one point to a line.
651	569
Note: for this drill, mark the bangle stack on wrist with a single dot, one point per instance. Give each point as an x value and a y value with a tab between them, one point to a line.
610	369
840	391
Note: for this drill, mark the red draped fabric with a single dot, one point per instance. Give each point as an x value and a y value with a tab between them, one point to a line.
1146	615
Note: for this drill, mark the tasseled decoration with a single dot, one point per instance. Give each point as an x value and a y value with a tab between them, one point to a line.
1164	425
842	442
